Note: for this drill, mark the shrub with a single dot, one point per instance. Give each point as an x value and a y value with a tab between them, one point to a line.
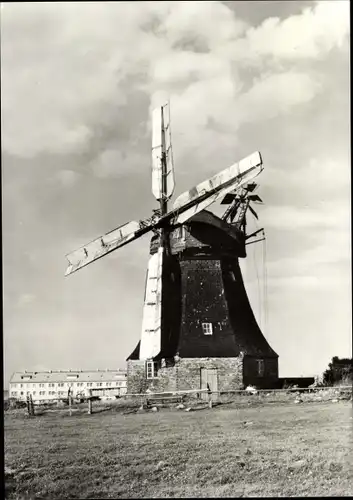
339	371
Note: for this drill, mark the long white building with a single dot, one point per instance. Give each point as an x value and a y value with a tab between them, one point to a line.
53	385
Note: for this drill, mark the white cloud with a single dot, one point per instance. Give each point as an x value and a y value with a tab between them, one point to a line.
76	58
192	20
67	177
309	35
276	94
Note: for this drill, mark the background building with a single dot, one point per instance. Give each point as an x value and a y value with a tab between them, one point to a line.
52	385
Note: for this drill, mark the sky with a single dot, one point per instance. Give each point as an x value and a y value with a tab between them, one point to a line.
78	83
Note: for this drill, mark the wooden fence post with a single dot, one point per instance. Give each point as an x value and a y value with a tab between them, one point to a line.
70	405
89	406
209	396
31	405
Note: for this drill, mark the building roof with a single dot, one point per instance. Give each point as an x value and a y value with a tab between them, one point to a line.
68	375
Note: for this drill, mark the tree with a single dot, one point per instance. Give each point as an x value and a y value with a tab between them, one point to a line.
339	370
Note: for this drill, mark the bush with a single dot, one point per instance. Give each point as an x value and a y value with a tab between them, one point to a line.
339	372
13	404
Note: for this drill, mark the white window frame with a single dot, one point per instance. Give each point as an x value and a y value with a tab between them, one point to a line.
207	328
151	369
260	367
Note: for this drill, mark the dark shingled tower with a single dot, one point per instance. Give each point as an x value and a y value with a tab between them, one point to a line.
205	286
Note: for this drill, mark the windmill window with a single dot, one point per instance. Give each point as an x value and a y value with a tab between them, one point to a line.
151	369
260	367
207	328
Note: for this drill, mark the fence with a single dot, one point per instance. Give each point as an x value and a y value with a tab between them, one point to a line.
190	397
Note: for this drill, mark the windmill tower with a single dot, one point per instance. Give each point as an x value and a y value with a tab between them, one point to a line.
198	327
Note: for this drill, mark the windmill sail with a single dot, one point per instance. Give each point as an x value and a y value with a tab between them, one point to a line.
186	205
207	192
103	245
162	174
150	344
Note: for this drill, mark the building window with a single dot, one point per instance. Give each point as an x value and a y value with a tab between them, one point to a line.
89	384
13	386
99	384
152	369
14	394
260	367
42	393
21	393
207	328
21	385
118	384
41	385
34	393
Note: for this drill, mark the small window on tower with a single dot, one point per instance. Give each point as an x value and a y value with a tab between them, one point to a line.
207	328
151	369
260	367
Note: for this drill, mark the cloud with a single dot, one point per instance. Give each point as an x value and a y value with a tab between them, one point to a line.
309	35
67	177
78	58
277	94
114	162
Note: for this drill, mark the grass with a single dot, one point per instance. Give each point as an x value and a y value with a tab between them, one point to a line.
269	450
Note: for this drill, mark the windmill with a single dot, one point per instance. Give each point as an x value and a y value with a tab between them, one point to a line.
209	237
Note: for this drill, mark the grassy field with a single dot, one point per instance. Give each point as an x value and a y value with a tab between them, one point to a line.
269	450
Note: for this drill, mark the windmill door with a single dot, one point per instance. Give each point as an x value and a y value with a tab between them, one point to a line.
209	379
